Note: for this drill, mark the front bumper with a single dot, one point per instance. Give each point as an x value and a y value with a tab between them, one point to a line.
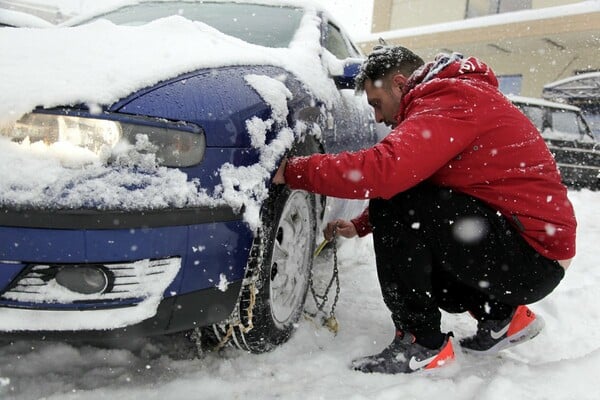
174	314
174	270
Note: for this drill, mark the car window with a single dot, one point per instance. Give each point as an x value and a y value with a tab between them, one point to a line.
271	26
586	133
535	115
336	43
556	123
565	124
593	121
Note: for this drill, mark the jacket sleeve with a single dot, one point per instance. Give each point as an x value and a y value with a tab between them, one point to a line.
438	127
362	224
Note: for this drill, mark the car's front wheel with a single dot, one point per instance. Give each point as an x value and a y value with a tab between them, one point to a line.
273	296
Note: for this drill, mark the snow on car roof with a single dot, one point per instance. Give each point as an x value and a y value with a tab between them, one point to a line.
542	102
575	78
580	86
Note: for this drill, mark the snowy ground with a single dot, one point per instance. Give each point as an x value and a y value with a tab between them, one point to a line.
561	363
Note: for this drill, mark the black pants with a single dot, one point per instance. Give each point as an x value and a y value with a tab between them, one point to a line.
440	249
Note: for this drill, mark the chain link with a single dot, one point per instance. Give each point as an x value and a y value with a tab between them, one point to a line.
243	329
321	300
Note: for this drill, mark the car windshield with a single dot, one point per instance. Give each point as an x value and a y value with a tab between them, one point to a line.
264	25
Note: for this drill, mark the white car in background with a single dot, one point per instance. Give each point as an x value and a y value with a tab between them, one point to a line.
569	138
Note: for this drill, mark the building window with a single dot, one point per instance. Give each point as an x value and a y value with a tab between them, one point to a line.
510	84
479	8
513	5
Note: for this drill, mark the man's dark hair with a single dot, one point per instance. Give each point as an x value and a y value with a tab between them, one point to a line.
386	59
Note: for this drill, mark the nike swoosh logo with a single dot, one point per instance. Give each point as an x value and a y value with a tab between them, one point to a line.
498	335
415	364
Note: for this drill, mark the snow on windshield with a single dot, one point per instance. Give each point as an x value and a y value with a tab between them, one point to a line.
99	63
255	23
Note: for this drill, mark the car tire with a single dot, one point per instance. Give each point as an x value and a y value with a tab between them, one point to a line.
280	266
277	278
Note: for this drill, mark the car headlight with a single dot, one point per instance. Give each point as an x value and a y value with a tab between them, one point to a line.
173	147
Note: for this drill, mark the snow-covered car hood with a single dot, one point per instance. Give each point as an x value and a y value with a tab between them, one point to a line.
71	65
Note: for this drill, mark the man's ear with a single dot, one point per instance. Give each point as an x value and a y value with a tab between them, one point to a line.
398	81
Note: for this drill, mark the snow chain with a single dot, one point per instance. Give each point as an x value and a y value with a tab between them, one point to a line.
197	333
239	325
249	311
321	300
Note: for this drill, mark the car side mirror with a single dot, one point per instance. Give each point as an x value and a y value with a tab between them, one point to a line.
350	71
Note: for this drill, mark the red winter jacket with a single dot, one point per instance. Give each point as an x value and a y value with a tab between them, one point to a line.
456	130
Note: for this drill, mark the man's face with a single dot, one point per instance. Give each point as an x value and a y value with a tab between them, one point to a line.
384	96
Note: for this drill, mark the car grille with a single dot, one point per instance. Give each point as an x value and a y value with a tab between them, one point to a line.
134	281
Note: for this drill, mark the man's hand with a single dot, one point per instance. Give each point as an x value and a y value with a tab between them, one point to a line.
341	227
279	178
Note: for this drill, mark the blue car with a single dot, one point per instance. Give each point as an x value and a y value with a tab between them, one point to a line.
233	259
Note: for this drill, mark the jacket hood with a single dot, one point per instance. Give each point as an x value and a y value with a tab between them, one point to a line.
447	66
452	66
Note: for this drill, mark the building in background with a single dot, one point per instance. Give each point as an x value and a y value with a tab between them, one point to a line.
528	43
